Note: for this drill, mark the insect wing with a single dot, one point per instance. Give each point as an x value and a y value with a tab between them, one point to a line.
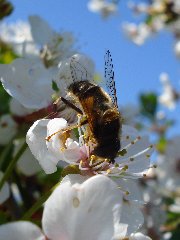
79	70
109	78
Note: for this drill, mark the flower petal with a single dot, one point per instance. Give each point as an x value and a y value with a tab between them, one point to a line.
18	109
21	230
74	209
139	236
28	81
39	25
131	215
84	68
55	143
27	164
35	138
8	129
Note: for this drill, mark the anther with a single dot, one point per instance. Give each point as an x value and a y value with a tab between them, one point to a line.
93	157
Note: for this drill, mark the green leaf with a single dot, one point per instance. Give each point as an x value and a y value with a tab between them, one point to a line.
4	98
12	163
148	105
161	145
3	218
55	86
7	55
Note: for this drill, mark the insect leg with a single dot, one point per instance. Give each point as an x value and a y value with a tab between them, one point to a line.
71	105
85	121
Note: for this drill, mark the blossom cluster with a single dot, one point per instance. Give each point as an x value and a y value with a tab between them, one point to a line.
159	15
79	201
47	147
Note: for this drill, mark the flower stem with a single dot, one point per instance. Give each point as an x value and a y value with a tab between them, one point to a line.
38	204
5	154
13	162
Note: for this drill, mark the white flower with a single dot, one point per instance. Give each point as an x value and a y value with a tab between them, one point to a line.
177	49
105	8
176	6
169	166
175	207
54	46
138	8
21	230
27	41
78	209
75	208
38	24
19	35
47	153
28	81
133	160
4	192
137	33
8	129
169	96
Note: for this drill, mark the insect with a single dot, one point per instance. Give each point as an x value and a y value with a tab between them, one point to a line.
99	108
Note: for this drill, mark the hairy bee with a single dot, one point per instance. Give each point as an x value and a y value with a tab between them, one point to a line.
100	109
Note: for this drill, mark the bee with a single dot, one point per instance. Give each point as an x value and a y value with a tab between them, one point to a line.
100	109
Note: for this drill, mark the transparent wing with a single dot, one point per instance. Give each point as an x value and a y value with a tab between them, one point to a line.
79	71
109	77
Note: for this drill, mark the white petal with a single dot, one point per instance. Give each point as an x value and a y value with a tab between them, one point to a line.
139	236
128	134
130	188
27	164
36	139
131	215
18	109
18	34
55	144
141	161
73	153
82	211
20	230
28	81
84	68
38	25
8	129
137	151
5	192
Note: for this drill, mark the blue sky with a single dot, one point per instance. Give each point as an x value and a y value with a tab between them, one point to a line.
137	69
